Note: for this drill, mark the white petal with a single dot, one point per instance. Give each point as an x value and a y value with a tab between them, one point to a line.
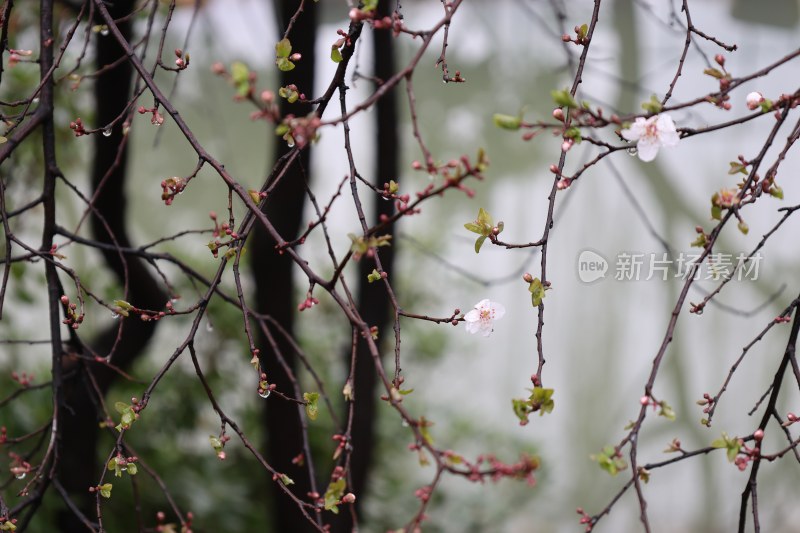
483	304
636	130
473	327
499	311
473	316
647	149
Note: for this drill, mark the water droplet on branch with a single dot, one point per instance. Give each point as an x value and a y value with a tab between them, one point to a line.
107	132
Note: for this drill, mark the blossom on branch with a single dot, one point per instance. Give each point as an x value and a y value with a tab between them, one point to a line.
482	316
651	134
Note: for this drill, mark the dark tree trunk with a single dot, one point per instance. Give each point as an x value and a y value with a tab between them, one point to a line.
112	90
373	300
274	280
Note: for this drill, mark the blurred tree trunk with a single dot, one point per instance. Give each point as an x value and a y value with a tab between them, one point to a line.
79	468
274	279
374	304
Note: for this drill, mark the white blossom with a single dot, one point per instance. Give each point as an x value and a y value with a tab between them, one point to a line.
482	316
651	134
754	99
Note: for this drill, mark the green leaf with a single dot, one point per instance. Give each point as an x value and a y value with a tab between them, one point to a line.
609	461
743	227
474	228
393	187
284	64
541	400
731	444
283	48
370	5
479	243
240	73
484	218
334	494
286	480
653	105
573	133
537	292
132	469
700	241
716	212
105	490
336	55
374	276
563	98
312	406
507	122
522	409
737	168
121	407
776	192
666	411
583	31
714	73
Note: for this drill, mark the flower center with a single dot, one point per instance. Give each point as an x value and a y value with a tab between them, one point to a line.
486	315
651	130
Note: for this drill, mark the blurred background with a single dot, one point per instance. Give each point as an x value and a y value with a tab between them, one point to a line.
599	339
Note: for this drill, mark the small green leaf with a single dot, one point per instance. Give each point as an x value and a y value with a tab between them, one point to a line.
714	73
737	168
573	133
700	241
336	55
522	409
284	64
121	407
333	495
370	5
583	30
666	411
541	400
283	48
286	480
393	187
776	192
132	469
374	276
537	292
563	98
610	461
743	227
507	122
716	212
105	490
479	243
312	406
484	218
239	73
653	105
474	228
